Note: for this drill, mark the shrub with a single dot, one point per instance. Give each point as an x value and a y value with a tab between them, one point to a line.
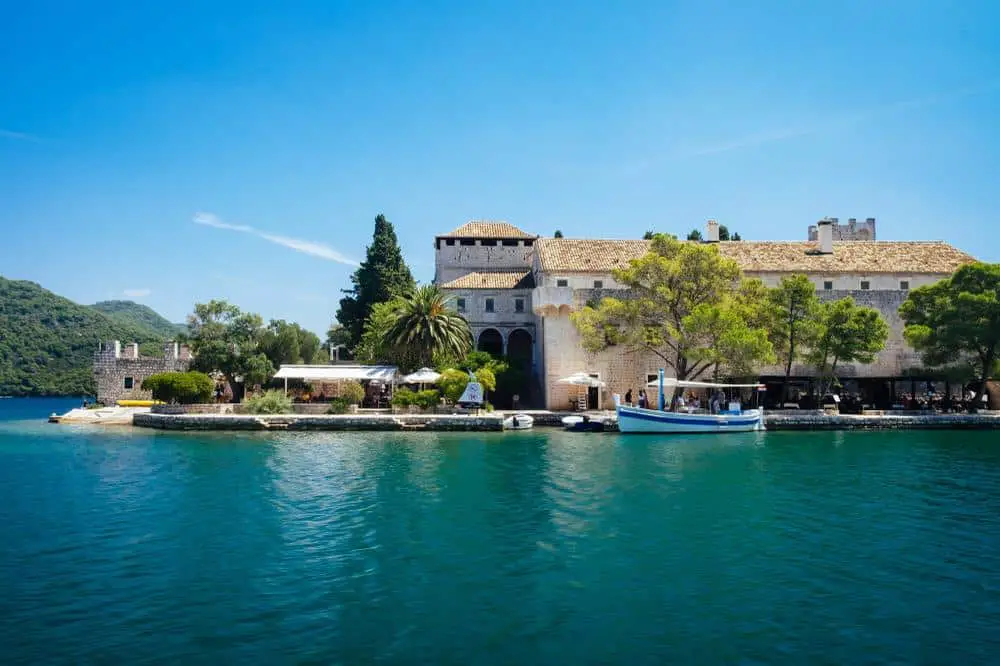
453	383
338	406
271	402
427	399
180	387
353	392
403	397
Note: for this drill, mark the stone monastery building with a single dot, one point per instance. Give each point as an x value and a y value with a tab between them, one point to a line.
517	291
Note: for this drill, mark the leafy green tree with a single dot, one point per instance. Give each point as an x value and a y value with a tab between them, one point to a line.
353	392
375	345
957	318
795	326
672	289
726	340
694	235
287	343
382	276
723	232
452	383
425	324
557	234
736	237
227	340
180	387
648	235
847	333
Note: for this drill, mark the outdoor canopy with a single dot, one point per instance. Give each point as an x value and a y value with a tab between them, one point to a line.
335	373
673	381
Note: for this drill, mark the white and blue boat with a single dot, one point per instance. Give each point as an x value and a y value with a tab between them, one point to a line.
732	418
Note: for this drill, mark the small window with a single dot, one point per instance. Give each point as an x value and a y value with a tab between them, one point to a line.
562	283
467	242
598	284
828	285
651	378
904	285
489	305
528	243
129	383
460	304
518	305
449	241
489	243
865	285
509	243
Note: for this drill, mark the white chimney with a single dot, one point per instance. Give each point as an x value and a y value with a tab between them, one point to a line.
711	231
825	228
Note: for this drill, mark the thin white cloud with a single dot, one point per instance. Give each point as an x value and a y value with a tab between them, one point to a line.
137	293
829	124
19	136
311	248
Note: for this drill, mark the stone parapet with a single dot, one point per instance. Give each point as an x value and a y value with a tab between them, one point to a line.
298	422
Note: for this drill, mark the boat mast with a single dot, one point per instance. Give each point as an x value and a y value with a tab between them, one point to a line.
662	398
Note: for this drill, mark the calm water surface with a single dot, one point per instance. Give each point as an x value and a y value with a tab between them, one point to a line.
123	546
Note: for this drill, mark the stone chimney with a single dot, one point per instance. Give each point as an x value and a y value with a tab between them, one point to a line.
825	229
711	231
170	350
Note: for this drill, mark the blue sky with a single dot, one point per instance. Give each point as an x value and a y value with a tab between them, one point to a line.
300	121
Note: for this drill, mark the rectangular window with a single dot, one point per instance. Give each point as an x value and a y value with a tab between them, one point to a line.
598	284
562	283
449	241
828	285
489	305
129	383
489	243
865	285
904	285
467	242
509	243
460	304
518	305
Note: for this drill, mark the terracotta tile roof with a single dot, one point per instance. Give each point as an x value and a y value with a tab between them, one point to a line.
493	280
487	229
866	257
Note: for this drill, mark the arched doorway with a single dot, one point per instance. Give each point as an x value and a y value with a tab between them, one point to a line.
491	341
519	348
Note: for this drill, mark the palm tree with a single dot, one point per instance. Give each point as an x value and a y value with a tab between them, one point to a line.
425	323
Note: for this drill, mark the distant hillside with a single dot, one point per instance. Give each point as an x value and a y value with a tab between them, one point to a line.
47	342
141	316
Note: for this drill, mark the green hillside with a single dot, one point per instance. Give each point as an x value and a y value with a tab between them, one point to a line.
140	316
47	342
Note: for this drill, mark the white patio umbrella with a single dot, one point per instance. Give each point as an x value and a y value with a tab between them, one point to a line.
583	379
422	376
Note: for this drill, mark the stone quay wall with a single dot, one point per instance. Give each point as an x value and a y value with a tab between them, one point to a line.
300	422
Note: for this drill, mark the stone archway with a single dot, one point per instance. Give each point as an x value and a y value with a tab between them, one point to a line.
491	341
519	349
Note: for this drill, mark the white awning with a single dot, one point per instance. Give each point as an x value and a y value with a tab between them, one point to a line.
582	379
333	373
673	381
422	376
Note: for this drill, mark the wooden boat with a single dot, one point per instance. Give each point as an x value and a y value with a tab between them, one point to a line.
732	419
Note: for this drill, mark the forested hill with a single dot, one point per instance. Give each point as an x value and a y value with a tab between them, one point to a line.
141	316
47	342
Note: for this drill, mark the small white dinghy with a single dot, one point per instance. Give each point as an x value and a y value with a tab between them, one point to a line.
518	422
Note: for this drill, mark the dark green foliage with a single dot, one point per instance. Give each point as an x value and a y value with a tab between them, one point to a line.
47	342
427	399
694	235
353	392
382	276
142	317
283	342
338	406
648	235
225	339
557	234
425	324
271	402
186	388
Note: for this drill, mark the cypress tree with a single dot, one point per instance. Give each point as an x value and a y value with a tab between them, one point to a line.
382	276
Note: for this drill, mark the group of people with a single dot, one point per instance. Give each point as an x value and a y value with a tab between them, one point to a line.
690	402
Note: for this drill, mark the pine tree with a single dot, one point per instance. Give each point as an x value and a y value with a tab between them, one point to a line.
382	276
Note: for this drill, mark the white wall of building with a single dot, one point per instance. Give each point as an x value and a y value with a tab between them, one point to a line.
852	281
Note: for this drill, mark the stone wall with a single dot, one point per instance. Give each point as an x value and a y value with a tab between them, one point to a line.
118	372
347	422
454	261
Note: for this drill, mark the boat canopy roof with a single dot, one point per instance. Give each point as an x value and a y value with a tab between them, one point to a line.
673	381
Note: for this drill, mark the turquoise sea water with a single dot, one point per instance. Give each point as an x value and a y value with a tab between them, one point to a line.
122	546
